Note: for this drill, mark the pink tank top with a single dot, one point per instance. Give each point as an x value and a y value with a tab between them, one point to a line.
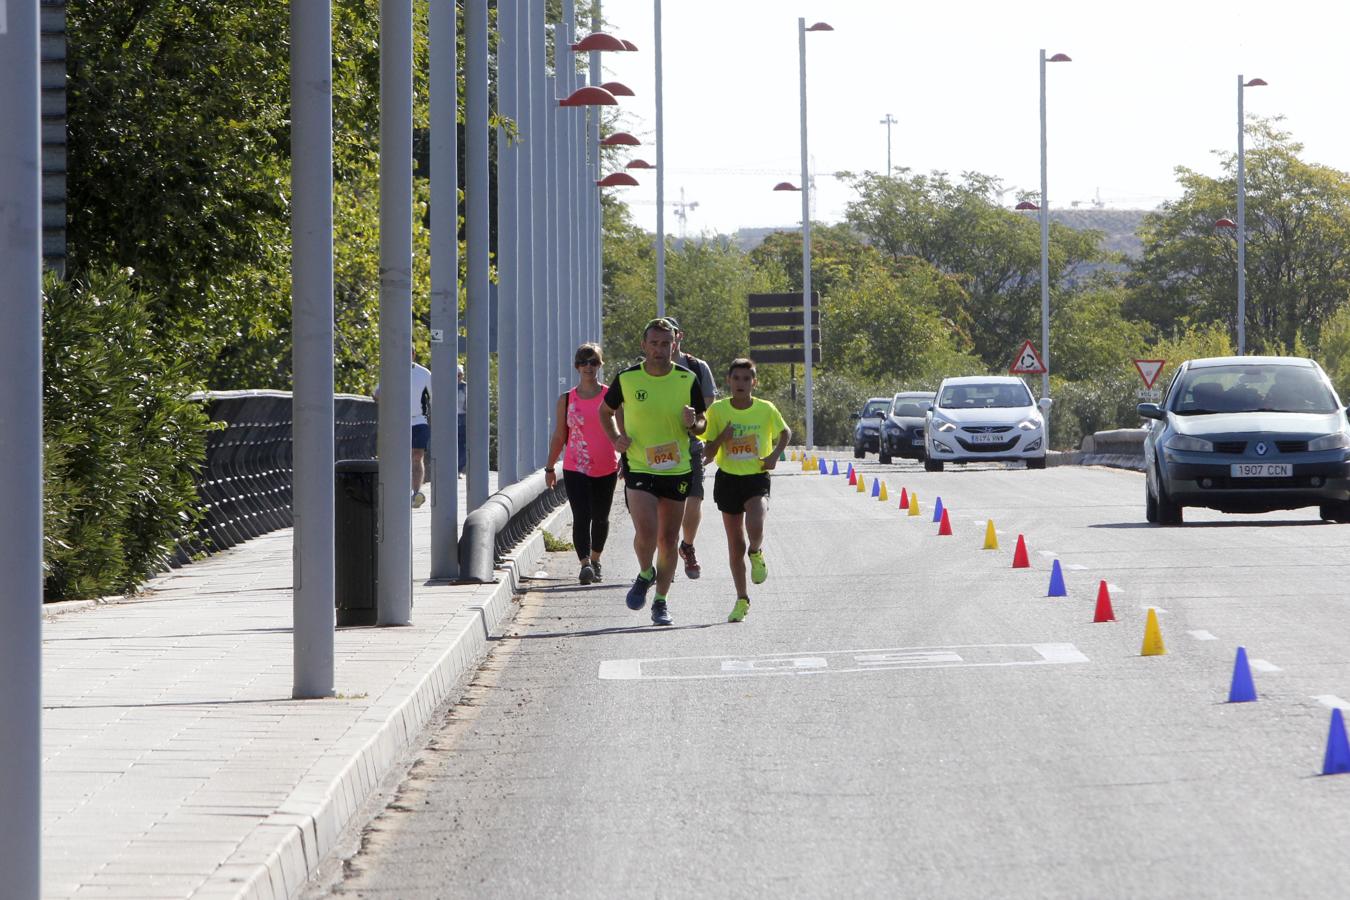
589	450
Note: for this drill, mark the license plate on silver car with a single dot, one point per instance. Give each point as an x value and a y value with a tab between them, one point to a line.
1262	470
986	438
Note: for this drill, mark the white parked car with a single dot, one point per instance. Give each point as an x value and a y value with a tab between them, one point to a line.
981	418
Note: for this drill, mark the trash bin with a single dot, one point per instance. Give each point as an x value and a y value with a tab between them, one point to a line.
354	545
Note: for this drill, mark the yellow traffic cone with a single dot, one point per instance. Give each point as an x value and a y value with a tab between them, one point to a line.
990	536
1153	642
882	495
914	504
862	484
793	456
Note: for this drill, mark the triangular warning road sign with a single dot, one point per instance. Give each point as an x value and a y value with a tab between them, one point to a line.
1149	370
1027	361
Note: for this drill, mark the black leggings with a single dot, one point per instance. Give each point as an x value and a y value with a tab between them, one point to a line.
590	499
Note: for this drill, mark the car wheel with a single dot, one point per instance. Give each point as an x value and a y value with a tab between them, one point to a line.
858	452
932	465
1169	513
1335	512
1037	463
884	458
1150	504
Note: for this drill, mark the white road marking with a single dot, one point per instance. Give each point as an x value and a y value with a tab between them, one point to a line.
1202	635
1261	665
1332	701
1075	567
1048	554
1114	588
1157	609
845	661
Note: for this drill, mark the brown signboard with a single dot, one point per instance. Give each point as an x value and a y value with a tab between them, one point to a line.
762	320
777	301
775	338
785	355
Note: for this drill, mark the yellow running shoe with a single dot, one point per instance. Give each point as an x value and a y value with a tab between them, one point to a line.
739	610
758	570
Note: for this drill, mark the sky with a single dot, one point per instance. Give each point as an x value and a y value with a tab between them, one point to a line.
1151	86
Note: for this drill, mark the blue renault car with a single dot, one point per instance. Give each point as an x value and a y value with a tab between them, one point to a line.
1247	434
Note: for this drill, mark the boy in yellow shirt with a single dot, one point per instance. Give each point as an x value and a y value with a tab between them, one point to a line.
746	435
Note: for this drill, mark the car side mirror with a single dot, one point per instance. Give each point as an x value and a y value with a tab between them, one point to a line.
853	417
1045	403
1150	411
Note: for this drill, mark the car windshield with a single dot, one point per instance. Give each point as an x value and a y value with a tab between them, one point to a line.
874	409
984	396
911	409
1270	387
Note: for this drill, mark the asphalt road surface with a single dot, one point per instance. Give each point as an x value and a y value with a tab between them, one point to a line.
904	714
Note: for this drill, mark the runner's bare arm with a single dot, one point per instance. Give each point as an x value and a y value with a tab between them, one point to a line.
620	441
557	442
711	447
771	461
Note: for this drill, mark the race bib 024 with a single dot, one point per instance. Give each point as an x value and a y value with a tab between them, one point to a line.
663	456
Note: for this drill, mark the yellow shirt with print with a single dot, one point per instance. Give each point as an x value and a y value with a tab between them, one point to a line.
754	431
653	416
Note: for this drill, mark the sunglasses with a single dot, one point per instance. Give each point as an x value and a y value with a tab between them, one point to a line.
588	362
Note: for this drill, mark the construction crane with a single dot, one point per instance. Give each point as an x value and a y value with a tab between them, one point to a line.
682	212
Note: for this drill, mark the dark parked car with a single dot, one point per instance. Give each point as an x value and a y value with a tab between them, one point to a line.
1247	434
866	434
902	430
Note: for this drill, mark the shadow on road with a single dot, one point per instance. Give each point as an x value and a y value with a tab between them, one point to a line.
1280	523
601	632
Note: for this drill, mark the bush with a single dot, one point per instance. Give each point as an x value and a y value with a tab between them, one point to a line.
122	439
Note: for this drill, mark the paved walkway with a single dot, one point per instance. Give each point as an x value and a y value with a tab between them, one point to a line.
175	763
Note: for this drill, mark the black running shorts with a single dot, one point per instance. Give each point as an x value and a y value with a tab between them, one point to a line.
731	491
667	487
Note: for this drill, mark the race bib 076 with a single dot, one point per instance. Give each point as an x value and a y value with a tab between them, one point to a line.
745	446
663	456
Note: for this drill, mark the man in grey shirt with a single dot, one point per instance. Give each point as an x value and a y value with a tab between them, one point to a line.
693	504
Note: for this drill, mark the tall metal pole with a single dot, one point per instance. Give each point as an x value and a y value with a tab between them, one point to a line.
444	90
541	97
1241	226
593	147
888	122
557	223
476	214
1045	257
661	172
806	249
21	453
508	247
394	437
527	420
567	333
312	553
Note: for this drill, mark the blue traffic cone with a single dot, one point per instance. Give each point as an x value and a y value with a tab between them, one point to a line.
876	487
937	510
822	467
1242	689
850	471
1337	759
1057	588
834	469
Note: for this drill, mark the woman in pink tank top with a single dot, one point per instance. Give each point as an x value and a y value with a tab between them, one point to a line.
590	465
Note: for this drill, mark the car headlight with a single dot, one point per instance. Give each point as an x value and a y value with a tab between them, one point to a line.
1185	442
944	426
1337	441
1030	424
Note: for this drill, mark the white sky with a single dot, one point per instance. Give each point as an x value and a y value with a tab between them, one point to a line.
1152	85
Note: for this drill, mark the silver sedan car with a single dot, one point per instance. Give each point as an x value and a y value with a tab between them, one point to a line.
1247	434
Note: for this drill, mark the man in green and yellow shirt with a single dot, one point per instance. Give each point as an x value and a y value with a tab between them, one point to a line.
662	408
746	435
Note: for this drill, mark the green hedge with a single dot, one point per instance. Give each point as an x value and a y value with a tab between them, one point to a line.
122	441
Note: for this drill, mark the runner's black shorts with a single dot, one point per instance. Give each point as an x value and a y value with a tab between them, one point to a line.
731	491
667	487
696	468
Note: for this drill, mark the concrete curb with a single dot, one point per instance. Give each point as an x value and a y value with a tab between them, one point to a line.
305	827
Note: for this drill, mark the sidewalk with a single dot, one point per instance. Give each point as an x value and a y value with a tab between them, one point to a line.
175	763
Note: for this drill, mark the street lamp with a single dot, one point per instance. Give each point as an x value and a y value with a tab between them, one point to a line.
1242	219
888	122
1045	245
802	29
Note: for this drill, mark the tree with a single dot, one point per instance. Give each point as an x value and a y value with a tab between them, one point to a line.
961	230
1298	223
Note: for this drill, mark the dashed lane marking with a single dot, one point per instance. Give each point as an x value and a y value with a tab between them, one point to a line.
1202	635
1262	665
839	661
1332	701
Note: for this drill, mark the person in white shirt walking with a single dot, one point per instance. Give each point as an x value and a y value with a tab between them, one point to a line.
420	409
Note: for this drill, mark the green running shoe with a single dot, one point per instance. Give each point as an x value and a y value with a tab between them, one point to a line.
739	610
758	570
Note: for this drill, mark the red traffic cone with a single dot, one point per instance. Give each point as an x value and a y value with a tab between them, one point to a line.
904	499
946	526
852	476
1104	611
1020	560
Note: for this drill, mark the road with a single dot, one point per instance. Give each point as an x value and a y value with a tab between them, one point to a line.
904	714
